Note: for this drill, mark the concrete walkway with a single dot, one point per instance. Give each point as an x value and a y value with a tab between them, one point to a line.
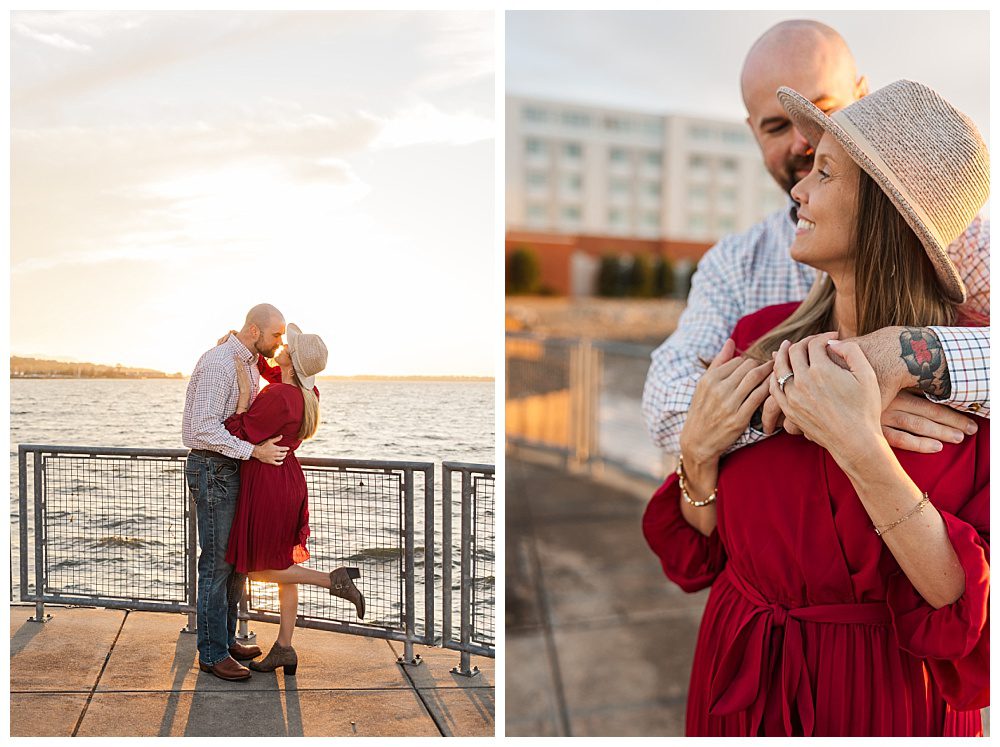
95	672
598	641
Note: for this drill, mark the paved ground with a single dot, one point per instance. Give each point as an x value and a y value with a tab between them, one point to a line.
94	672
598	641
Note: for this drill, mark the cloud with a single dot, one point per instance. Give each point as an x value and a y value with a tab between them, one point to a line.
425	124
52	40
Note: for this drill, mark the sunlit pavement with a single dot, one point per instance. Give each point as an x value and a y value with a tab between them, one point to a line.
95	672
599	642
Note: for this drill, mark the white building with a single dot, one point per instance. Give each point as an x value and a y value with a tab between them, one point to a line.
584	169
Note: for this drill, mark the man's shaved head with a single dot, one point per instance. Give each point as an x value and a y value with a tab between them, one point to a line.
261	315
263	329
811	58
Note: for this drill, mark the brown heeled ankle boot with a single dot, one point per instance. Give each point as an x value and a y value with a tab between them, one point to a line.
342	586
278	656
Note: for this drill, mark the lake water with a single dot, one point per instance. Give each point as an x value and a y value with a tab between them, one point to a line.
382	420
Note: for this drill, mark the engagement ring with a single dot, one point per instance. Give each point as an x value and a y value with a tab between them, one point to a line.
782	380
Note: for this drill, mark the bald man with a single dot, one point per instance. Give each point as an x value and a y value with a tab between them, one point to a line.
213	477
745	272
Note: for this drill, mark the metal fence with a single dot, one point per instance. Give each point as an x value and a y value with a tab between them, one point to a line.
477	561
581	399
115	527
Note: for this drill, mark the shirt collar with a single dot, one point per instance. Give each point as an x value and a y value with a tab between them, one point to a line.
240	349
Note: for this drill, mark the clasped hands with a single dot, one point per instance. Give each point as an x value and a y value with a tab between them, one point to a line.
834	398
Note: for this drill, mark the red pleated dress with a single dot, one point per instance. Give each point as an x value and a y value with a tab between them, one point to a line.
271	524
811	628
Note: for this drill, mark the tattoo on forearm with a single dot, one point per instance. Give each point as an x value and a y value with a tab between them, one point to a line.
924	358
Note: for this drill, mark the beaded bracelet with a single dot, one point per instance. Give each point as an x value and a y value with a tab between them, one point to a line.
688	498
916	509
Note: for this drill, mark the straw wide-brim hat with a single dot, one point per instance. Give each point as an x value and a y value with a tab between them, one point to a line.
308	353
927	156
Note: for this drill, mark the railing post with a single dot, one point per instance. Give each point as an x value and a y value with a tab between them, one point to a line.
22	517
446	539
410	617
429	495
40	615
192	560
466	599
243	632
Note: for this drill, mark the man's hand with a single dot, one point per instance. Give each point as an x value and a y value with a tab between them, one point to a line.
916	424
269	452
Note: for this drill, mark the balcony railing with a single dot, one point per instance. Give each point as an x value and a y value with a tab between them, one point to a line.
116	527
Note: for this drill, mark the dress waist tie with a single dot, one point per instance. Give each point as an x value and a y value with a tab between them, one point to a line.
740	683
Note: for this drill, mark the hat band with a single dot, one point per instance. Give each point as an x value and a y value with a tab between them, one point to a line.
865	146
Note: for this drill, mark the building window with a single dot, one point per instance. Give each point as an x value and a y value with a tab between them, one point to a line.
697	192
572	182
651	188
651	220
653	158
727	223
537	215
700	132
619	187
619	155
729	165
535	147
653	127
617	218
572	150
575	119
697	222
532	114
734	136
538	178
698	163
571	213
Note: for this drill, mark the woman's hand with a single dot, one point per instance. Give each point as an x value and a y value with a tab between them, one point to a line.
724	401
838	408
225	337
243	382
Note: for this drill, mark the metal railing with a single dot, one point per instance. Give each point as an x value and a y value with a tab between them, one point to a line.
116	527
581	399
477	561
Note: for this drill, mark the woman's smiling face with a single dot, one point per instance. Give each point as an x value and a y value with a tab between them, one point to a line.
282	357
828	199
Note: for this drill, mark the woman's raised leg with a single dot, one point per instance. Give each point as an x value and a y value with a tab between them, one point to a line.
288	598
294	574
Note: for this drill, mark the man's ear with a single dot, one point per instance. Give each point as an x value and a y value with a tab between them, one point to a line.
861	88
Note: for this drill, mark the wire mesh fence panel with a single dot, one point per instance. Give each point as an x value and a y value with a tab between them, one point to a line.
115	528
356	518
483	560
622	438
539	407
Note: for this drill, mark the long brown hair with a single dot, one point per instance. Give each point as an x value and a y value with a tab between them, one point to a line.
310	410
894	280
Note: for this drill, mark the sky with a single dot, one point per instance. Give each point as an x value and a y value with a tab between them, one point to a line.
688	62
169	170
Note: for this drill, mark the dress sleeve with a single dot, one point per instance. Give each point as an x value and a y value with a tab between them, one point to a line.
690	559
270	374
954	640
268	414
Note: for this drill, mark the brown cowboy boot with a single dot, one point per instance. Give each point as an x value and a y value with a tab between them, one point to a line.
342	586
278	656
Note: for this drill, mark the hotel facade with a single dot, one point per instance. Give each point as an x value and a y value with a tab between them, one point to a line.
624	177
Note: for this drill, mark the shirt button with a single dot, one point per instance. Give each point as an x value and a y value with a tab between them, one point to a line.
975	407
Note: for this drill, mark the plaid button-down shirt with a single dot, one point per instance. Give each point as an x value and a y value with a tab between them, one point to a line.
746	272
212	396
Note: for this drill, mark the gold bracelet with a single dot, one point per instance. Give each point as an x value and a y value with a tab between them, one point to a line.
684	493
916	509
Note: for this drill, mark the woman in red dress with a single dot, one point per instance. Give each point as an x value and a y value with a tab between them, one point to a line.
268	537
850	581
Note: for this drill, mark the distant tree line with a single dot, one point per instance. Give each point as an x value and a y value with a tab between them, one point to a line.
619	276
35	368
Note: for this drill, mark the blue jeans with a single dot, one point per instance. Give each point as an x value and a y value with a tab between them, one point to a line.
215	485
